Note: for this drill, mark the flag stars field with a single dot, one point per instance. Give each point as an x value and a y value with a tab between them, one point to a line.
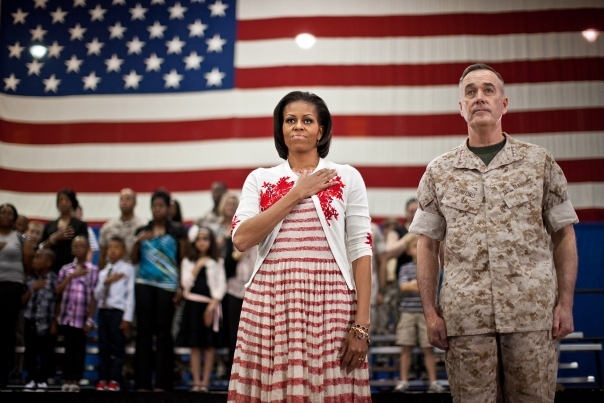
143	37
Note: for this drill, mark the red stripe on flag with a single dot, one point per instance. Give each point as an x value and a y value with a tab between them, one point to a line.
112	182
539	71
551	121
576	171
592	214
519	22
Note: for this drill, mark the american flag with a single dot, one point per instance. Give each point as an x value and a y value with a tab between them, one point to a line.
179	94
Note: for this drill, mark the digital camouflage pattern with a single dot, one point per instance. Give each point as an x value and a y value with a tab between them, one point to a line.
529	362
495	220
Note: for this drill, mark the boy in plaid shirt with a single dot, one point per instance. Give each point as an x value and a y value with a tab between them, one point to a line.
76	285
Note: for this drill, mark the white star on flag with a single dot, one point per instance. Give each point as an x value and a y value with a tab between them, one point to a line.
77	32
73	64
175	45
156	30
91	81
138	12
160	2
54	50
217	9
97	14
193	61
215	44
51	84
214	77
114	64
173	79
177	12
94	47
153	62
11	83
34	67
79	3
19	17
37	33
131	80
58	15
15	50
118	2
196	29
40	4
117	31
135	46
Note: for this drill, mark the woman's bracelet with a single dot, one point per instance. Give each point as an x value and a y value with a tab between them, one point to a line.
360	332
363	328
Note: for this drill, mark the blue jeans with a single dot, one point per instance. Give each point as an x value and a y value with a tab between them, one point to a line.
112	344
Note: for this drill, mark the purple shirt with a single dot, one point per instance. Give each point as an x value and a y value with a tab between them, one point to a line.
77	295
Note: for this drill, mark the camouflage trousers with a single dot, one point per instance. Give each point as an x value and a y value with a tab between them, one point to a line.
502	367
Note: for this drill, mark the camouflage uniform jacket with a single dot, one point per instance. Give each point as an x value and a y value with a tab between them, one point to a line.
499	274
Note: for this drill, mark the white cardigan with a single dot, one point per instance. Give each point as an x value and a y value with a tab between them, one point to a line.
215	277
342	210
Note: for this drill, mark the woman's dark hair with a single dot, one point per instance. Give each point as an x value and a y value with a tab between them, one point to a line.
178	216
161	194
323	115
72	196
213	251
10	206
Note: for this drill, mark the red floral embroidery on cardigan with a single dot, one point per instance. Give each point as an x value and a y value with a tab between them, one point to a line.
234	223
326	197
270	193
370	240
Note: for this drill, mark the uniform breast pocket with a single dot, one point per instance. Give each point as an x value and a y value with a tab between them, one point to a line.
461	213
522	216
525	203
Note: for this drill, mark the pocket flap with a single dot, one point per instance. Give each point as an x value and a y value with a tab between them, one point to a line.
464	200
520	195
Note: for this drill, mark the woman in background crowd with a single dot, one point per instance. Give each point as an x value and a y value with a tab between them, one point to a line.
159	248
58	234
16	256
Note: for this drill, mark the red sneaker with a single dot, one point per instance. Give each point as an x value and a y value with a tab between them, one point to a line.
113	386
102	385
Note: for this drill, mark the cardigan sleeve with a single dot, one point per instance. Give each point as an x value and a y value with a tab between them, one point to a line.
186	275
358	222
216	277
249	203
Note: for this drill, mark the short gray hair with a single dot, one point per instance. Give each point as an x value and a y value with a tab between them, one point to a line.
479	66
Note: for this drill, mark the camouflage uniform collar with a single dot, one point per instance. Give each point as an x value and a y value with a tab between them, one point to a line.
508	154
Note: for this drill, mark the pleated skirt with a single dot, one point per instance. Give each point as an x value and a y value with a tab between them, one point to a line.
296	315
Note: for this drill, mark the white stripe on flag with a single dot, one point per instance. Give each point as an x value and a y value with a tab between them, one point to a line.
253	153
261	9
415	50
377	101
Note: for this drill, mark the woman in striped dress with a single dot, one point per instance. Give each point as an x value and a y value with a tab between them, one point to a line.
303	333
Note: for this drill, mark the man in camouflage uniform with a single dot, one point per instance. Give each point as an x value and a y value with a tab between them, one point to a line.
502	305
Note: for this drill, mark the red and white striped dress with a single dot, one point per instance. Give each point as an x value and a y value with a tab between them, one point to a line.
296	315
